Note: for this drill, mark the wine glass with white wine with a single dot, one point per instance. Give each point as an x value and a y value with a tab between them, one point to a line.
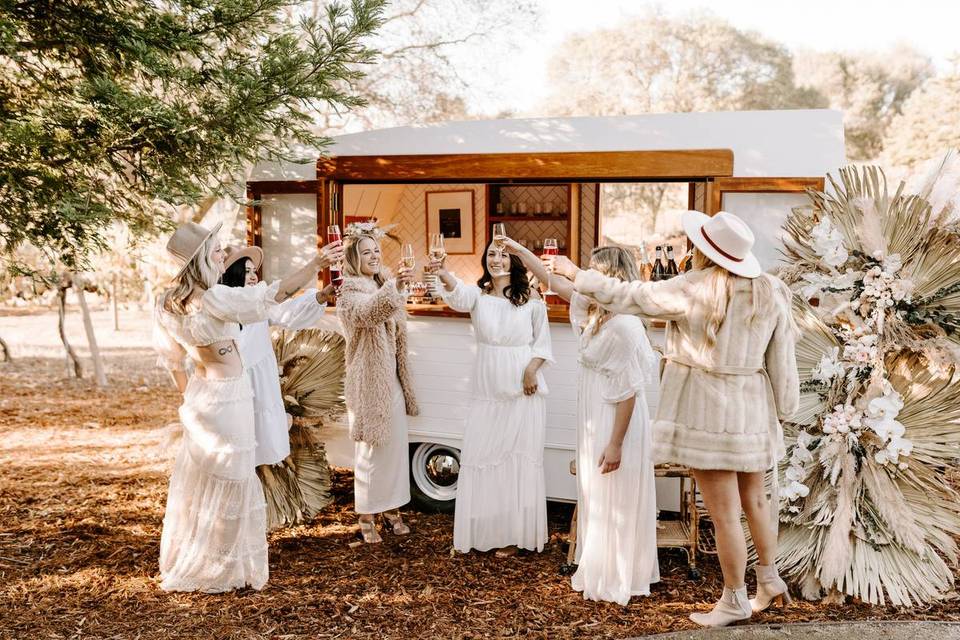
438	253
499	235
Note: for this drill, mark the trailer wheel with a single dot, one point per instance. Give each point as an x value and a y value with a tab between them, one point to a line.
433	476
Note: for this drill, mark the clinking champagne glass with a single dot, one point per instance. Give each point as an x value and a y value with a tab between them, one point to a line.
336	271
437	252
407	261
550	249
499	235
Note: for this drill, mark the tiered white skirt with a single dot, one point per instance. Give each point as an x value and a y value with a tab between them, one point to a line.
501	494
214	530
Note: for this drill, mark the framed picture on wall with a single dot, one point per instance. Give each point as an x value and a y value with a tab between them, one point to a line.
451	213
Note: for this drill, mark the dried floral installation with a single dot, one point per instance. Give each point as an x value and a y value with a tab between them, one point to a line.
866	509
311	381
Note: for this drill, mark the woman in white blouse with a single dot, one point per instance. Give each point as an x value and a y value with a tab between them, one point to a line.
272	422
501	494
214	535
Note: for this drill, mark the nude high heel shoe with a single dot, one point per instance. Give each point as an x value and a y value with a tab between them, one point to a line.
733	606
771	589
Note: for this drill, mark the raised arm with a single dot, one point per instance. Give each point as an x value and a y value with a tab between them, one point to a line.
307	274
362	308
664	300
561	286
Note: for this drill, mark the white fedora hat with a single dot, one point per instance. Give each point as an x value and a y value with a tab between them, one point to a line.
725	239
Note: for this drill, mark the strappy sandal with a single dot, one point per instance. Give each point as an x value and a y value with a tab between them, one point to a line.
369	533
397	524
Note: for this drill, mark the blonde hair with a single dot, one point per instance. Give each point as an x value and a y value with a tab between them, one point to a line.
351	257
200	272
717	289
615	262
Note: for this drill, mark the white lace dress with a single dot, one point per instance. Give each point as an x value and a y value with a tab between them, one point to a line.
214	535
256	348
501	494
617	514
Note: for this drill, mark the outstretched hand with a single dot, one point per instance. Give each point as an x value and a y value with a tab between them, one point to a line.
561	266
330	254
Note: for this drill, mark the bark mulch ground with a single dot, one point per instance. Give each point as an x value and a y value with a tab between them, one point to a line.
82	489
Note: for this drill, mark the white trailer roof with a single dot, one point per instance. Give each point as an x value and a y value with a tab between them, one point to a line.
764	143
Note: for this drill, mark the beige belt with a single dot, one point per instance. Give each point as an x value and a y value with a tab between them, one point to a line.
718	369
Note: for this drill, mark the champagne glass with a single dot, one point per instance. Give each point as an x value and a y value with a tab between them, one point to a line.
550	249
407	261
336	271
437	252
499	234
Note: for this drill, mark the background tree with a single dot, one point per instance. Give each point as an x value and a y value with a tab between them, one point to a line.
869	87
659	64
122	110
929	123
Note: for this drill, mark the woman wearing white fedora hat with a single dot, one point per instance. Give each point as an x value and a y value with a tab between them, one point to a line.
729	377
214	527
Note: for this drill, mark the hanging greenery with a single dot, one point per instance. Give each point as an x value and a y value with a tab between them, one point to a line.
866	508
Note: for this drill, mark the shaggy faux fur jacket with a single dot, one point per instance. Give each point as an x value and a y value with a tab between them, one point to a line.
374	322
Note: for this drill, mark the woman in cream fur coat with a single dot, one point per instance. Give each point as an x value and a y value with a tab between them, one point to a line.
378	389
730	376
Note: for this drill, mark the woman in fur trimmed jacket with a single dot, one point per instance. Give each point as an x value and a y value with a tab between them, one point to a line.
378	389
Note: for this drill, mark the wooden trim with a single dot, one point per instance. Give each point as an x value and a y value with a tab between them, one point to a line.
255	222
575	166
283	186
473	221
757	185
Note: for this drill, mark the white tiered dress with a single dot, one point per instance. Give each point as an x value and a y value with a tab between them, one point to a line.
617	514
214	535
256	348
501	494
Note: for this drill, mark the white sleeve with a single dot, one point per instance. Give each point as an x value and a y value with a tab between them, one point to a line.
579	306
541	347
245	305
463	298
300	312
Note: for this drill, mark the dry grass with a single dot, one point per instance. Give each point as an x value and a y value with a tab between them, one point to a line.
81	501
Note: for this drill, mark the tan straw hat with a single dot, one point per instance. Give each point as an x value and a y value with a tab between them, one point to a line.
239	253
725	239
187	241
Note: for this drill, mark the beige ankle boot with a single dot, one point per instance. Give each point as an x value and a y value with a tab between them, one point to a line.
770	589
733	606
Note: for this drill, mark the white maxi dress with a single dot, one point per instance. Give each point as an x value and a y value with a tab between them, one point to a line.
501	493
214	536
617	514
256	348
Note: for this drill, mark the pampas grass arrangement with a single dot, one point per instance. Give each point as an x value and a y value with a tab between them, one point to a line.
311	363
867	508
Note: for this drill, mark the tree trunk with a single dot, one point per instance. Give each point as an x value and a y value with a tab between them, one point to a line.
113	299
98	372
7	357
72	359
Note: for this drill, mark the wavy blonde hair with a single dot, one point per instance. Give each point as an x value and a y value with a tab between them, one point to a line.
200	272
717	289
351	257
615	262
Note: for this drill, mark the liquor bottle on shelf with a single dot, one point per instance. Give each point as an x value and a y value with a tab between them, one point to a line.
672	269
646	269
659	271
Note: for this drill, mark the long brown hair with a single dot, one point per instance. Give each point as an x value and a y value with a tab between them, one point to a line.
717	289
518	291
615	262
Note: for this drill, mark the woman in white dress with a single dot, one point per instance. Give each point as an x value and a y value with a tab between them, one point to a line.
272	423
501	495
617	514
378	387
214	535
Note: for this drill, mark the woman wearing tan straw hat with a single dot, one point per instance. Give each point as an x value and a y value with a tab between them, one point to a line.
214	527
730	376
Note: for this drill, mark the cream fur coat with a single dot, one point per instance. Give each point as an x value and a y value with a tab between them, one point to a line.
720	407
374	322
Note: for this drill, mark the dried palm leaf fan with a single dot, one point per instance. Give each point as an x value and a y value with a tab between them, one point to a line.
868	510
311	363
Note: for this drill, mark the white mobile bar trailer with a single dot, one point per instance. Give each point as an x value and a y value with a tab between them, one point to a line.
545	175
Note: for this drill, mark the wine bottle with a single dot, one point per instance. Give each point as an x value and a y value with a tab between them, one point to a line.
686	261
646	269
672	269
659	272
